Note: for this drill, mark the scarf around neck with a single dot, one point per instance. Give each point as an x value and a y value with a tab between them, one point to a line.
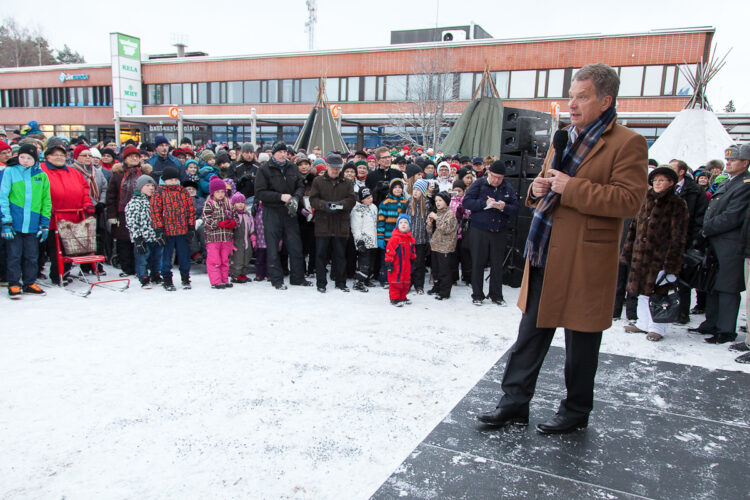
537	241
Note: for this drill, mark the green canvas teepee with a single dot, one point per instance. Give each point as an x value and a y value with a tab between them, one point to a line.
320	128
479	129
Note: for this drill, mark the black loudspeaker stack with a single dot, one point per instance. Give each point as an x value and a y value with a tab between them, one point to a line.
525	141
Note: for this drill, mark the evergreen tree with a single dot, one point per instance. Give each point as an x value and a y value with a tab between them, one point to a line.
729	108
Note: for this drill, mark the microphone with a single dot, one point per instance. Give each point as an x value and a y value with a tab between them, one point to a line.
560	142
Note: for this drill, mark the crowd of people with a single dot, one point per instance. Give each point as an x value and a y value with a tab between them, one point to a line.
381	217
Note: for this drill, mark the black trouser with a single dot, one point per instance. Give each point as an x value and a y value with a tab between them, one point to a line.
365	261
463	249
307	234
351	257
487	245
125	256
700	300
623	297
721	312
442	270
418	266
277	225
337	248
528	352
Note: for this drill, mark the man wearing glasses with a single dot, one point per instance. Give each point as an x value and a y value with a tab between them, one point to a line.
377	180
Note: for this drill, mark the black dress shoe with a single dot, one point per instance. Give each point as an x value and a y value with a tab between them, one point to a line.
684	319
322	289
697	310
702	331
561	424
500	417
721	338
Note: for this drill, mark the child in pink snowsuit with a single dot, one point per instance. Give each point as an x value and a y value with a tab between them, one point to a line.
220	220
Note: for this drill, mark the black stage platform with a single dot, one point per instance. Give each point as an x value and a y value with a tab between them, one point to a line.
658	430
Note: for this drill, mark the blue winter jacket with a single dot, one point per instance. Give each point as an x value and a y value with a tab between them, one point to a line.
492	220
25	199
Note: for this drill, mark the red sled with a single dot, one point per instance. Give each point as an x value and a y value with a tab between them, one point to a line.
89	257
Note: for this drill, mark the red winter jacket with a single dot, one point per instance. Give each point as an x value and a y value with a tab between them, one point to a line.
172	209
68	190
401	251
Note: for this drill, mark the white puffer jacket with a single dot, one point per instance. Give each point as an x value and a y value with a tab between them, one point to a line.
364	223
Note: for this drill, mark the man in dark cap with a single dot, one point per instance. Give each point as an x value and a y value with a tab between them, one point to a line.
162	158
722	228
492	202
279	186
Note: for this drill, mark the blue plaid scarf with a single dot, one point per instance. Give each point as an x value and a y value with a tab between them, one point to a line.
574	154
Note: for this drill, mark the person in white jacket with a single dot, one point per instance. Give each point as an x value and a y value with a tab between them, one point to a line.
445	181
364	221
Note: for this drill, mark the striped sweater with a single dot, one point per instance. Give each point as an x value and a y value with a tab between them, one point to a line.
390	208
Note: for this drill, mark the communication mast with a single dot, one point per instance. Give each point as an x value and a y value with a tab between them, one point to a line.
312	19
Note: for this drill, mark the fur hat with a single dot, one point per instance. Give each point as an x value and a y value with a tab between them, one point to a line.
247	147
143	180
190	183
278	146
334	160
110	152
207	154
216	184
237	198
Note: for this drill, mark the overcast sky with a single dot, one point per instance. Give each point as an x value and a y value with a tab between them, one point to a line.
223	27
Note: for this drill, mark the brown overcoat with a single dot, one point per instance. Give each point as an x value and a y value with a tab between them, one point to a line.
656	240
580	275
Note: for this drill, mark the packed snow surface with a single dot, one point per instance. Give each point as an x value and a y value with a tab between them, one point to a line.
248	392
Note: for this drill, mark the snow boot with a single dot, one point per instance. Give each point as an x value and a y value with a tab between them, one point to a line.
145	283
186	282
360	287
33	289
397	303
14	292
167	284
743	359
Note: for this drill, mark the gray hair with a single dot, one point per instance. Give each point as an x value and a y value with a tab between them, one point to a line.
605	79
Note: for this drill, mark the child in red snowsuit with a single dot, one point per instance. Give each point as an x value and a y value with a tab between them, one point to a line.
399	253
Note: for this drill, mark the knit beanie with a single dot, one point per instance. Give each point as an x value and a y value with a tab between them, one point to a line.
363	194
459	184
130	150
143	180
170	173
403	216
237	198
216	184
393	183
319	161
247	147
223	158
110	152
413	169
95	153
30	150
207	154
445	196
4	146
422	185
160	139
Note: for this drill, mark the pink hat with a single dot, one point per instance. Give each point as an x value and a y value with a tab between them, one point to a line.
216	184
238	198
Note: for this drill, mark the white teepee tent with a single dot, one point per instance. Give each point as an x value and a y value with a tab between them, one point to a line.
695	136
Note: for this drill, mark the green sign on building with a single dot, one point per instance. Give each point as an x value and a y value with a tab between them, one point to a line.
127	46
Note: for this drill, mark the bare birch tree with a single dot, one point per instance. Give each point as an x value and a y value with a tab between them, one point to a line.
429	97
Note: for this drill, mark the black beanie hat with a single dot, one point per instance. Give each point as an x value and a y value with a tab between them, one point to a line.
445	196
363	193
278	146
30	150
498	167
412	169
459	184
170	173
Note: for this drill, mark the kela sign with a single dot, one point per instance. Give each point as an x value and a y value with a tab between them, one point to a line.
128	46
63	77
127	82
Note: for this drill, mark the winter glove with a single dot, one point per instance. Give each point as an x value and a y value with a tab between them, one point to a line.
89	211
99	208
307	214
389	267
700	243
190	233
140	245
253	241
42	234
381	243
227	224
292	206
113	222
8	233
361	246
161	238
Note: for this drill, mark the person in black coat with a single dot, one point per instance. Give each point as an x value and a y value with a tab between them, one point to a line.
244	171
492	202
697	202
722	228
280	188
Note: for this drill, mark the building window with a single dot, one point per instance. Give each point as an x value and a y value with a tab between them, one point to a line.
466	86
683	87
652	80
522	84
669	77
631	81
370	83
287	90
202	91
309	89
395	88
353	89
332	89
234	93
555	83
251	92
502	82
541	84
175	91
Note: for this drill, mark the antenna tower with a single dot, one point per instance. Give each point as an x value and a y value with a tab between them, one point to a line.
312	19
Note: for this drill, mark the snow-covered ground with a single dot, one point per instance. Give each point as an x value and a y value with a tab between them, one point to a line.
248	392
